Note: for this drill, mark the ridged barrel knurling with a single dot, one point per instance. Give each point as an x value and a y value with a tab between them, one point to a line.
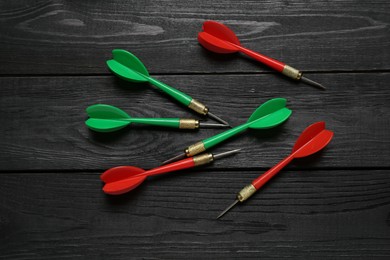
292	72
198	107
246	192
203	159
195	149
185	123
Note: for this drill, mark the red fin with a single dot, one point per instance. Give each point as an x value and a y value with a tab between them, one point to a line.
123	186
220	31
120	173
214	44
309	133
315	144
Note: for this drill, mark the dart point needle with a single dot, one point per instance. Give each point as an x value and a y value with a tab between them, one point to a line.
225	154
218	119
211	125
312	83
228	208
176	158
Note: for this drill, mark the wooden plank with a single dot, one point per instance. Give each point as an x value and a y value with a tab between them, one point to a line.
300	214
42	121
76	38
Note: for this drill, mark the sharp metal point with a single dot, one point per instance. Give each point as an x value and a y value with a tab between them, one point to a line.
227	209
174	159
218	119
224	154
312	83
211	125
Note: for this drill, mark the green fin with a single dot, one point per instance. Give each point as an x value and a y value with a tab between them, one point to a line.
127	66
106	112
272	119
267	108
105	125
106	118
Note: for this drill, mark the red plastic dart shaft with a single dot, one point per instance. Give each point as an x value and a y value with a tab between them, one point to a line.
275	64
122	179
265	177
219	38
131	182
320	140
313	139
179	165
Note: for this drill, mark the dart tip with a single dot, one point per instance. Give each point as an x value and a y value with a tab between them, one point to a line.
218	119
224	154
227	209
211	125
312	83
173	159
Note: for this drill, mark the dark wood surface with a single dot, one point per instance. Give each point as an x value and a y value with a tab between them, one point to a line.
333	205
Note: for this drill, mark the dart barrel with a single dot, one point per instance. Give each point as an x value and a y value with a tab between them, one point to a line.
198	107
291	72
246	192
203	159
195	149
185	123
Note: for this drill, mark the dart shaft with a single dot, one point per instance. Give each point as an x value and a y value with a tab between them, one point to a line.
165	122
182	123
275	64
174	93
129	183
182	164
183	98
175	166
265	177
272	63
216	139
188	163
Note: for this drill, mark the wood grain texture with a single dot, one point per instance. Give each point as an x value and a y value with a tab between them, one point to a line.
76	37
334	205
42	120
300	214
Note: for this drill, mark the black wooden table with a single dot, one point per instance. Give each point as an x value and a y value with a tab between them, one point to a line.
335	204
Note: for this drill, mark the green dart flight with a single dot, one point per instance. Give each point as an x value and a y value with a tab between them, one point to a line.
106	118
268	115
128	67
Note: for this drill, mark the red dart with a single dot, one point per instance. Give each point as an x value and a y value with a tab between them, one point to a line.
219	38
122	179
313	139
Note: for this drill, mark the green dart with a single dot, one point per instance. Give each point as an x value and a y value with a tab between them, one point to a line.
268	115
128	67
106	118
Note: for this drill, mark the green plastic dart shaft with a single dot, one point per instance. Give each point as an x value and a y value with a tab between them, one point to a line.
174	93
106	118
216	139
127	66
167	122
110	125
270	114
263	122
